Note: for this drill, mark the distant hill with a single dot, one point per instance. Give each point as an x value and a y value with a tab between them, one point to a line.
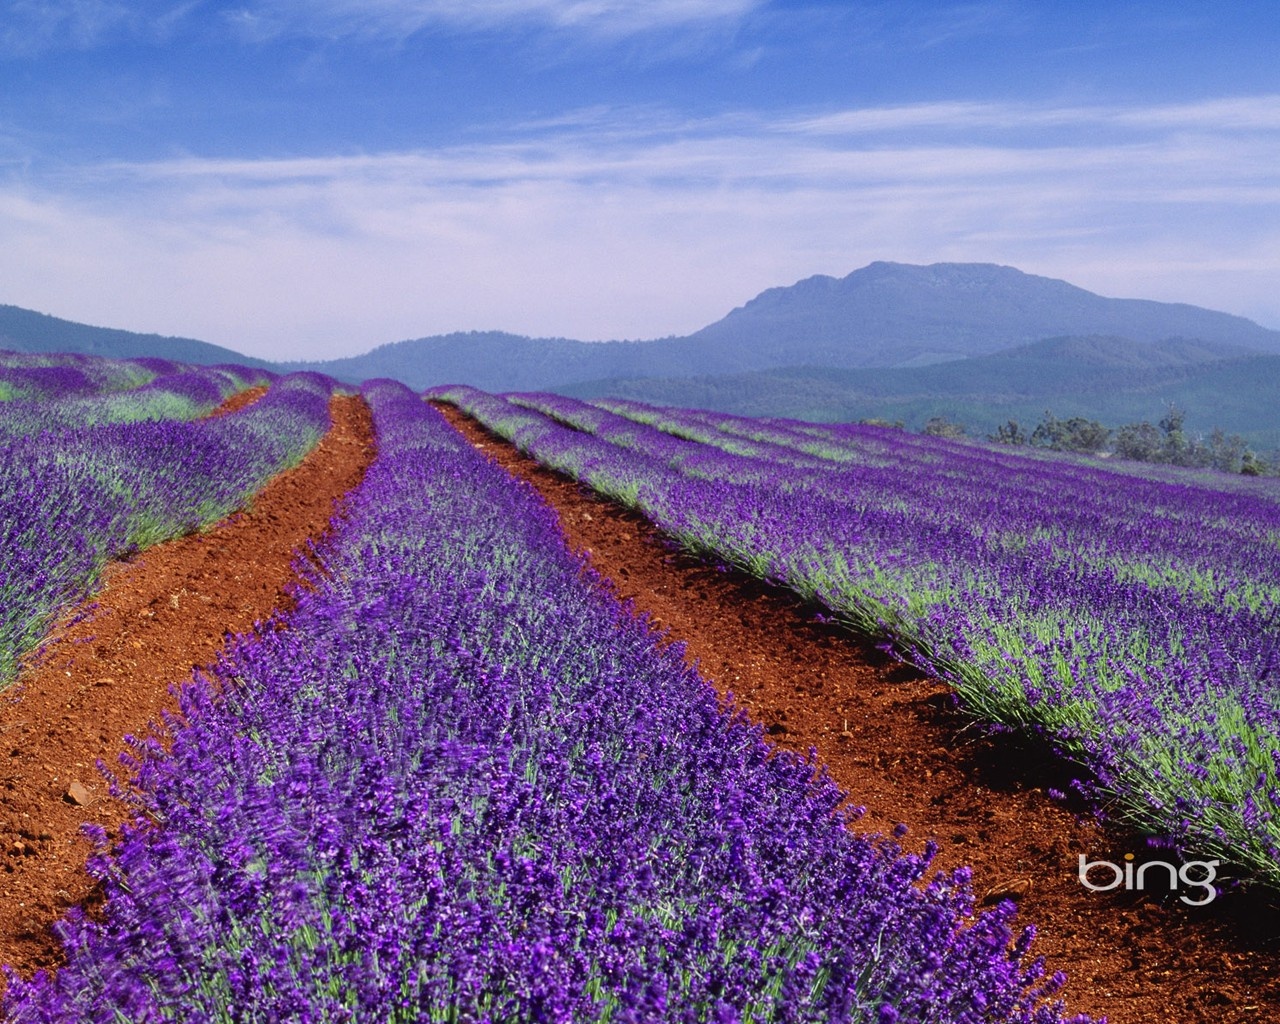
884	315
1103	350
494	361
22	330
894	314
1114	380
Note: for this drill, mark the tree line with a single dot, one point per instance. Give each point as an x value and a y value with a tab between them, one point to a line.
1165	442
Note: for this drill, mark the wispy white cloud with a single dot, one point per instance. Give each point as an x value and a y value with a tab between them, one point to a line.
32	28
35	27
402	18
589	228
1239	113
1243	113
931	26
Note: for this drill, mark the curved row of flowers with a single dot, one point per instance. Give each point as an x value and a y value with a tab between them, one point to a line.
1134	623
466	784
73	498
59	392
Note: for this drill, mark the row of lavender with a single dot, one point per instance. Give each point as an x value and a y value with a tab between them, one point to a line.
466	785
28	376
74	497
1132	622
54	392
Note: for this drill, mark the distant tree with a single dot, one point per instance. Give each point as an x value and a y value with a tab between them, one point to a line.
892	424
1177	449
1169	443
1009	433
1048	432
1084	435
1227	451
940	426
1141	442
1076	434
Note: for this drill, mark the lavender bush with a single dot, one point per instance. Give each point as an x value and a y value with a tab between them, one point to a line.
465	784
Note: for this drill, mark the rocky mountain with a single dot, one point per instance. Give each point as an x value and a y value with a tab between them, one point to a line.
894	314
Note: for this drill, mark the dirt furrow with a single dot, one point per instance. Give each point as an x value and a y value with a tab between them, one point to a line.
892	739
108	673
240	400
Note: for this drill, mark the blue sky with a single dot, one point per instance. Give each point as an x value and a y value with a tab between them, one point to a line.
314	177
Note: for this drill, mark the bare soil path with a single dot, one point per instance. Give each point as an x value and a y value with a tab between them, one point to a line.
238	401
107	674
890	737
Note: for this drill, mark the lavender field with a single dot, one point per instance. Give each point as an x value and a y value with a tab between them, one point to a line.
1128	621
464	783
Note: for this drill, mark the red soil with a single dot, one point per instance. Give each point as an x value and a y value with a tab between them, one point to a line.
890	737
109	668
237	402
